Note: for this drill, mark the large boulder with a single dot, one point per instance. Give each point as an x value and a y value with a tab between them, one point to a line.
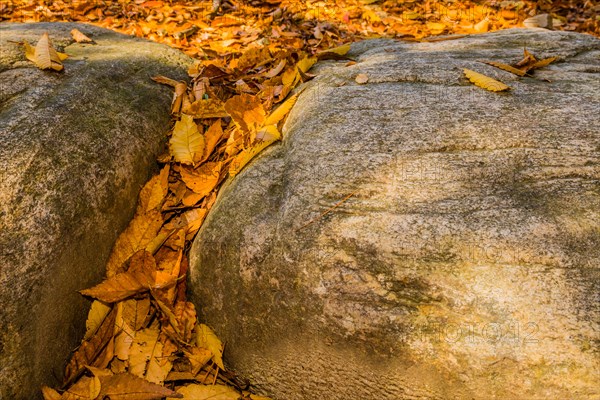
75	148
465	263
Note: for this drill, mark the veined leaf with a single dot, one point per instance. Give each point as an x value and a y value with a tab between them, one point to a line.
208	392
126	386
543	63
204	179
281	111
485	82
187	143
46	56
246	111
207	339
96	315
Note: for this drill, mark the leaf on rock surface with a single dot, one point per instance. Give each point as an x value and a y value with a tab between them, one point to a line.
485	82
142	230
46	56
165	81
80	37
187	143
361	78
204	179
506	67
246	111
126	386
240	160
337	53
543	63
282	110
208	392
207	339
97	314
29	51
140	277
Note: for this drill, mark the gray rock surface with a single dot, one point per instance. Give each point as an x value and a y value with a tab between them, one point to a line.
75	148
466	263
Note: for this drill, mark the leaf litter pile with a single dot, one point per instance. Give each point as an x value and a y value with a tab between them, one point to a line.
143	339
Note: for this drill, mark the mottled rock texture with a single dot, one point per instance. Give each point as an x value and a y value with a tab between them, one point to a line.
75	148
466	263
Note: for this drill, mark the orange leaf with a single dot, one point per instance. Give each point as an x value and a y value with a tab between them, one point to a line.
204	179
79	37
127	386
246	111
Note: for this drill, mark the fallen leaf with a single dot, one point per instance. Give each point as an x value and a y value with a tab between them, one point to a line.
337	53
50	394
154	191
187	143
209	108
86	388
146	358
79	37
96	315
198	358
140	277
206	338
543	63
204	179
246	111
46	56
361	79
506	68
165	81
268	133
90	349
212	136
141	231
485	82
240	160
281	111
208	392
126	386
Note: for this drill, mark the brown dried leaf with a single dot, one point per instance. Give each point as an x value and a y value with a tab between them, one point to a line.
212	136
209	108
90	349
46	56
146	358
126	386
506	67
154	191
50	394
186	143
86	388
140	232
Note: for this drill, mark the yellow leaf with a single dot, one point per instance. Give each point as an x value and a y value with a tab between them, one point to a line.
142	229
543	63
281	111
80	37
204	179
46	56
246	111
206	338
506	67
146	357
208	392
193	219
29	51
268	133
212	136
340	50
289	77
245	156
131	315
154	191
98	311
485	82
50	394
306	63
198	358
187	143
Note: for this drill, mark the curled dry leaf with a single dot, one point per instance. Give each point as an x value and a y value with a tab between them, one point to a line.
506	67
485	82
187	143
80	37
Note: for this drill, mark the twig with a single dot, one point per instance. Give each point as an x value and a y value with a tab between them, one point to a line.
330	209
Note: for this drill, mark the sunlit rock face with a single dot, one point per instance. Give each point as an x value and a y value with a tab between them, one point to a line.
75	148
466	262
